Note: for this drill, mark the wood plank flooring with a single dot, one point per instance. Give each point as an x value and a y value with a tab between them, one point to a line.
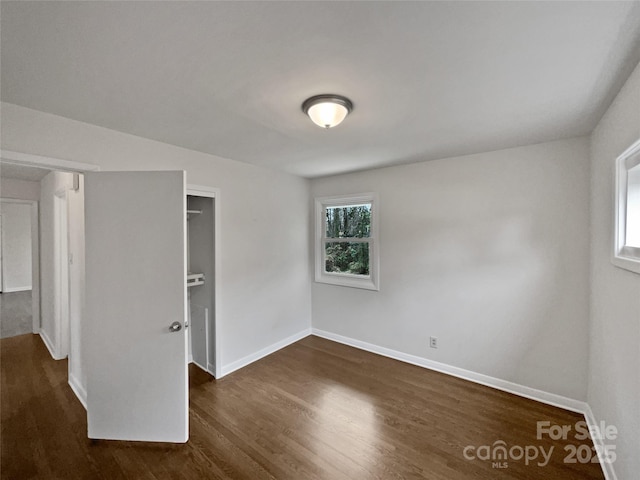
314	410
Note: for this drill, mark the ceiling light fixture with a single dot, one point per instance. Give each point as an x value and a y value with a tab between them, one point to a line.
327	110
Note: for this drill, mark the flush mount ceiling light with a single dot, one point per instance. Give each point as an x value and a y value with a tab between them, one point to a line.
327	110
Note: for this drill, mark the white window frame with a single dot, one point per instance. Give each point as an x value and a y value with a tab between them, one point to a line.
368	282
624	256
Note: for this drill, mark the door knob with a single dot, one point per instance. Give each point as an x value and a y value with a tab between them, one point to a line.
175	327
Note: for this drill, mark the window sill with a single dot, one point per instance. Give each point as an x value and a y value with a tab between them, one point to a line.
628	262
365	283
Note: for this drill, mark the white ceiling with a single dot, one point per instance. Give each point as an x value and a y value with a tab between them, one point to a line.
428	79
22	172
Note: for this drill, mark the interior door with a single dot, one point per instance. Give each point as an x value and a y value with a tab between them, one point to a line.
136	300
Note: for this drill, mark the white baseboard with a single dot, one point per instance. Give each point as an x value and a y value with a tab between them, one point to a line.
77	388
607	468
243	362
520	390
211	368
190	359
16	289
49	344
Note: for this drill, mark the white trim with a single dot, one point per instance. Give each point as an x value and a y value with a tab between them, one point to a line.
80	392
49	344
212	368
29	160
370	282
624	256
212	192
17	289
35	266
17	200
607	467
186	310
202	191
61	266
503	385
243	362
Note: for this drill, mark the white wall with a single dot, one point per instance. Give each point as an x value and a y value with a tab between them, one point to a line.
614	366
487	252
19	189
265	275
54	317
16	246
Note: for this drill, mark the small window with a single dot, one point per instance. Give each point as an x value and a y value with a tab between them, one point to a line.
626	253
346	241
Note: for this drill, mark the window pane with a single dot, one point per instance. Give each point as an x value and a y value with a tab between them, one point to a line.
352	221
633	207
347	257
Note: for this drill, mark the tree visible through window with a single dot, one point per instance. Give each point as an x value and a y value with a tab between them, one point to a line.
347	240
345	249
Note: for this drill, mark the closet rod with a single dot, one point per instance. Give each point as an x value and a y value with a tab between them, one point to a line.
195	279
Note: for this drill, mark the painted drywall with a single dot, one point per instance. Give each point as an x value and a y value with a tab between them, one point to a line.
488	253
19	189
264	295
614	364
54	313
16	246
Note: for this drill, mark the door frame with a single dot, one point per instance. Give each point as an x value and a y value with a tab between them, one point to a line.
62	285
210	192
49	163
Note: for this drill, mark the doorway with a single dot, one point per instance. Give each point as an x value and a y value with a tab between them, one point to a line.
55	189
201	283
203	254
19	303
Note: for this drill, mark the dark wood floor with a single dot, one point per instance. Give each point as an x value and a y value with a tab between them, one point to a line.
315	409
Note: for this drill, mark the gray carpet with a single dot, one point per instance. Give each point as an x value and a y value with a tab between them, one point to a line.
15	314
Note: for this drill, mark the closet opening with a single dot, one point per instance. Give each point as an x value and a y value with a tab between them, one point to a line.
201	284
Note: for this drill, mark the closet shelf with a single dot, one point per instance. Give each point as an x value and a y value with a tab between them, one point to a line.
195	279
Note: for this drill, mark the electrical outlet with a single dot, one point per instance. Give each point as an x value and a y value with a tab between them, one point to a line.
433	342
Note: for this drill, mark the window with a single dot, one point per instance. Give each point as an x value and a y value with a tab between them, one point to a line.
626	253
347	241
